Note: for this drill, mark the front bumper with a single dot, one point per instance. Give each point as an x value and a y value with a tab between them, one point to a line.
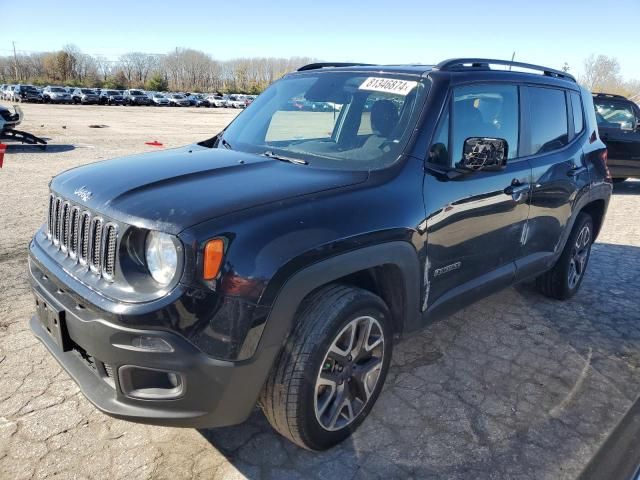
103	361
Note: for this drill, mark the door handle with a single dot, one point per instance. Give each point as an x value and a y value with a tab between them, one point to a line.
517	190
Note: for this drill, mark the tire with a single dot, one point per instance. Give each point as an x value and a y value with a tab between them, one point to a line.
564	279
297	403
619	180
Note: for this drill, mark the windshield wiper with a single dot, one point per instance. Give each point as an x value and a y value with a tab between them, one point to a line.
226	144
297	161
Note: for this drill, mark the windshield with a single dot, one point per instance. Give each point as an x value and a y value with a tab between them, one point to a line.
113	92
58	89
337	120
136	92
86	90
177	96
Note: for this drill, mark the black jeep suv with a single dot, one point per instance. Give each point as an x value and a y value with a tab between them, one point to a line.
276	262
619	124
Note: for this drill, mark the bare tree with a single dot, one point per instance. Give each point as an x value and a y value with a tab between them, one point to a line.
602	74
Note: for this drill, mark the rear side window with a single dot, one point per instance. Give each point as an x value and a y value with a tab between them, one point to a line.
485	111
578	117
549	131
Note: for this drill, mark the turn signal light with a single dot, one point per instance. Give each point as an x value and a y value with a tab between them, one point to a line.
213	252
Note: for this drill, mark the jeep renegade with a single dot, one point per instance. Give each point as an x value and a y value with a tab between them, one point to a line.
275	263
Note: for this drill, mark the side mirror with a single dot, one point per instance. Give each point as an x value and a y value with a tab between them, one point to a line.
484	154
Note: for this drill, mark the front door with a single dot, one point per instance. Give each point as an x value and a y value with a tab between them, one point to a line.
475	222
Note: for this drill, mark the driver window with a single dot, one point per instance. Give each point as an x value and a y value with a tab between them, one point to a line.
485	111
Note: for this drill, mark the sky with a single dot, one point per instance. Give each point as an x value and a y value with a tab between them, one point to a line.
547	32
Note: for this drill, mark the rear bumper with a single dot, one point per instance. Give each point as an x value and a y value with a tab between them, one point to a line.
104	362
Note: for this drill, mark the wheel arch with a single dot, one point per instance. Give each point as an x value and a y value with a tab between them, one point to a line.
390	270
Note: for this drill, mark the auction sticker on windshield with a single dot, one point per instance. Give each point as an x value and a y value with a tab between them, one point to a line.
388	85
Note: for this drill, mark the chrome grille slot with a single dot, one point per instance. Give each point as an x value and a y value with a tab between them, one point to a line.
64	227
56	222
96	245
50	217
85	224
110	251
74	224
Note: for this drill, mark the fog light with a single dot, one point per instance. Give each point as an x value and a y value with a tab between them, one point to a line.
152	344
150	384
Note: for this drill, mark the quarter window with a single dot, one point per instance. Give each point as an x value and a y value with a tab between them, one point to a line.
485	111
578	118
549	130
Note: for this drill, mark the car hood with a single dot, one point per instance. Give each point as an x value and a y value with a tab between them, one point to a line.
177	188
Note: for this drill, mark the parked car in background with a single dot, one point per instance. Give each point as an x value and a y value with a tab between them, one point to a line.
619	124
84	96
198	100
111	97
159	99
235	101
178	100
6	92
25	93
249	100
216	101
136	97
55	94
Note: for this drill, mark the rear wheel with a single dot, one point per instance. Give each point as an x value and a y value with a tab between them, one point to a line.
332	368
564	279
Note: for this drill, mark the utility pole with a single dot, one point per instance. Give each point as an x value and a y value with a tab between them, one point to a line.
15	61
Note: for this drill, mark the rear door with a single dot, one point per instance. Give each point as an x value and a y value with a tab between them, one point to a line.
553	145
619	126
475	221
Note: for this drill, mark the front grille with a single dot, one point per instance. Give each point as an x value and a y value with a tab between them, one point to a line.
83	236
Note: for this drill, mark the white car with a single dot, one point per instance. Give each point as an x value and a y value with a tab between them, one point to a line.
216	101
235	101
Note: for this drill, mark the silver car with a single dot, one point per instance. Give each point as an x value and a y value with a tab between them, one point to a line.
55	94
178	100
159	100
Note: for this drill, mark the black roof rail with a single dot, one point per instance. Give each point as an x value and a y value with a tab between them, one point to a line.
457	64
316	66
609	95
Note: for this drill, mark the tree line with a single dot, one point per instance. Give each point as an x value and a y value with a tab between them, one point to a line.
186	69
183	69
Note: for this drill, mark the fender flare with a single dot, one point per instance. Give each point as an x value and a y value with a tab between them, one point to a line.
274	332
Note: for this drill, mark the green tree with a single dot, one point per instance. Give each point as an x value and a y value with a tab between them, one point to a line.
157	83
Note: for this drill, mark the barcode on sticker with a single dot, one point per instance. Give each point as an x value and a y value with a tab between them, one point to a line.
388	85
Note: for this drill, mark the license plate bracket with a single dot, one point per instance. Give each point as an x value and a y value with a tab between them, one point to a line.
53	321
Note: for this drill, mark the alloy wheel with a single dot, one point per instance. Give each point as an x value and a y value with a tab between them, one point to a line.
349	373
579	256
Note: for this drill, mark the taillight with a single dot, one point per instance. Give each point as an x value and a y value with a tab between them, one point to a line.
604	156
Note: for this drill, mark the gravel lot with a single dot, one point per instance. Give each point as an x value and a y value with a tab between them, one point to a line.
516	386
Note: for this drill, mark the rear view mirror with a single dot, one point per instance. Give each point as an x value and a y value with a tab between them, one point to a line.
481	153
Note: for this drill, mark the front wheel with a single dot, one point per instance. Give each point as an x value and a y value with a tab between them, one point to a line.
332	368
564	279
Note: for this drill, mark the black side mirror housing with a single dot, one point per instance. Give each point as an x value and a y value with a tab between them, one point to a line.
483	153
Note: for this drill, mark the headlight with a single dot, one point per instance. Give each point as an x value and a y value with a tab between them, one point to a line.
162	257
